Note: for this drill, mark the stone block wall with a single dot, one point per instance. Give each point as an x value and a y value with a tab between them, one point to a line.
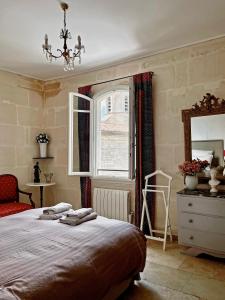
21	119
181	77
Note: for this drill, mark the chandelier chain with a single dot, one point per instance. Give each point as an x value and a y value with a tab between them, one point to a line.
64	19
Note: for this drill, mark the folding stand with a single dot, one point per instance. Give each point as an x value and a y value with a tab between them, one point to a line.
161	189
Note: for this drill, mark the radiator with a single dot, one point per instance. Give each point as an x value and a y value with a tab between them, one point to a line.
113	204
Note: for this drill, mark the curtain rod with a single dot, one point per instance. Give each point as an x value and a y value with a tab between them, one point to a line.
152	73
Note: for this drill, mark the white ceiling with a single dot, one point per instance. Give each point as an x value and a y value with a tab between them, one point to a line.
113	31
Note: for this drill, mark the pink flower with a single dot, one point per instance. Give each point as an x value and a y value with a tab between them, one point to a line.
192	167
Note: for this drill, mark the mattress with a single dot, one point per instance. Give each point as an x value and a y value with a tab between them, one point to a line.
42	259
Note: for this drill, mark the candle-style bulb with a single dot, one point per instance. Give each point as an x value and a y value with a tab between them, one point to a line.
46	40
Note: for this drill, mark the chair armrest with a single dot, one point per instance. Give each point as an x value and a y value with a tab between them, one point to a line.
30	197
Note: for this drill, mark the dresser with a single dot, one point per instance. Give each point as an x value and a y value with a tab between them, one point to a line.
201	222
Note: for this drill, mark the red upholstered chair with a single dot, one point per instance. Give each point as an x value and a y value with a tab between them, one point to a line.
9	196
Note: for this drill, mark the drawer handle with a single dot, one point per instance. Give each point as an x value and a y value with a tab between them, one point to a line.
190	221
191	237
189	204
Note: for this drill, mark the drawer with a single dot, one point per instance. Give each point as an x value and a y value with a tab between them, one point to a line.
195	238
202	223
201	205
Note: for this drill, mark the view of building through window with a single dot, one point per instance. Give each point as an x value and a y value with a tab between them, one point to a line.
112	134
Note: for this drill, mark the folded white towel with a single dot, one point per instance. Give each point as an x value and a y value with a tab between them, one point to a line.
58	208
74	221
79	213
54	216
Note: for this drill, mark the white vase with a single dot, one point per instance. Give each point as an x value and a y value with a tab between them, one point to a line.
191	182
43	149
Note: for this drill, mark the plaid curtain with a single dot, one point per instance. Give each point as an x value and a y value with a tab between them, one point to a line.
84	143
145	148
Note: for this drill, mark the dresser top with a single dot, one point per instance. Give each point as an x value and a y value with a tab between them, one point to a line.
204	193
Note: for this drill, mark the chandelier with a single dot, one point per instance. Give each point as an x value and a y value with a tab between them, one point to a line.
69	55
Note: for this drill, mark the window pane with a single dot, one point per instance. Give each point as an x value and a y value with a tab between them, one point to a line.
80	131
112	150
76	164
80	103
81	142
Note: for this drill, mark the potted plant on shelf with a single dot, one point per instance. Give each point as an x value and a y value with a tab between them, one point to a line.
190	169
43	139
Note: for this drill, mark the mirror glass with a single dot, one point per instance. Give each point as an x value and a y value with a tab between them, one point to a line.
208	139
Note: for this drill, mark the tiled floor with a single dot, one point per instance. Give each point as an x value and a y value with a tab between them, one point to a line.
176	276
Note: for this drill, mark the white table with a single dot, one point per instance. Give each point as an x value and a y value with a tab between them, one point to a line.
41	185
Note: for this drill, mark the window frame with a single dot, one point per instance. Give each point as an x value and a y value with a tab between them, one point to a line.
93	132
71	132
131	144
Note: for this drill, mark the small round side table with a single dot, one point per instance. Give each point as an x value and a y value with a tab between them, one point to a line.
41	185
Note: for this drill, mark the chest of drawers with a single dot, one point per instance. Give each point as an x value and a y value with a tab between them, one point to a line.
201	222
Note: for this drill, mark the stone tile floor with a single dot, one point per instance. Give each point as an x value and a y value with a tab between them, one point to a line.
175	276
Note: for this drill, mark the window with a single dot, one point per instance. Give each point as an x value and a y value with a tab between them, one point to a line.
111	134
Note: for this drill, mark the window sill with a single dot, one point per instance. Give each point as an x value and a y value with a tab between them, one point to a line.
106	178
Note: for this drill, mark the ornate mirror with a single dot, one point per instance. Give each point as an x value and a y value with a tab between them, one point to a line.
204	130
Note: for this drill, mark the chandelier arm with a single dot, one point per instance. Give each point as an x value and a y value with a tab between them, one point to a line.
70	50
54	56
61	54
76	54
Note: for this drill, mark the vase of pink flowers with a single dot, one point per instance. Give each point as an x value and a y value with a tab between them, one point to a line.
190	169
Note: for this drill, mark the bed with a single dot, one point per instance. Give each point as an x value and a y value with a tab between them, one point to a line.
48	260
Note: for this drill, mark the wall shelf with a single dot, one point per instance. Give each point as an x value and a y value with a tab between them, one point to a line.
48	157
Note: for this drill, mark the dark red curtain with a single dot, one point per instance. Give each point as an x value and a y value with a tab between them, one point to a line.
145	147
84	146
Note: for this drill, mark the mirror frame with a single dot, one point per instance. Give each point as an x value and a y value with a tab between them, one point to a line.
209	105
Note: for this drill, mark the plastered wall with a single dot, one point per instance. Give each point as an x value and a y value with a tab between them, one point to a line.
181	77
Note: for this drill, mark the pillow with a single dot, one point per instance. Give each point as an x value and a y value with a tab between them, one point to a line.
202	156
201	152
